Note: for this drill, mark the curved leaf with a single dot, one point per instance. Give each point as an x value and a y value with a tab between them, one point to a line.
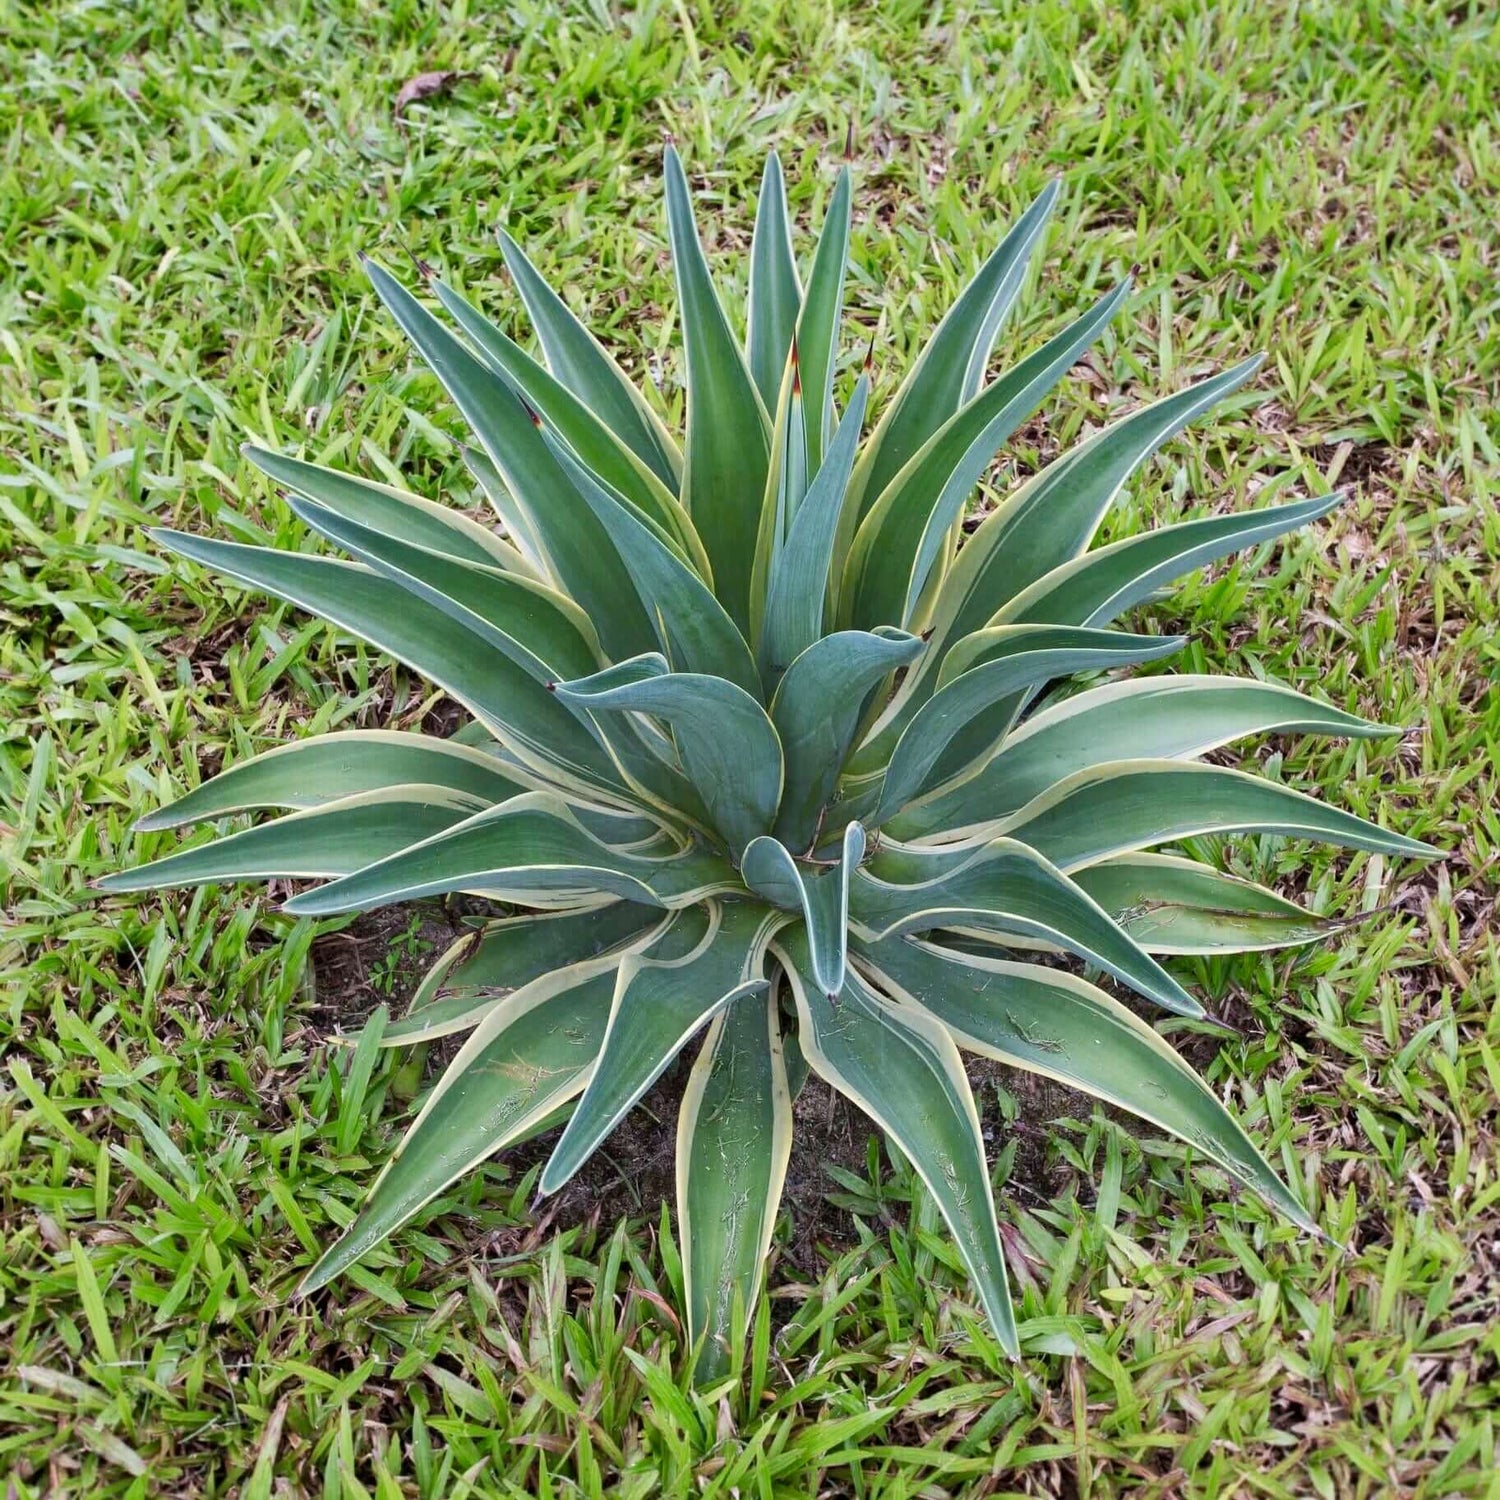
728	746
492	685
816	711
1002	886
900	1067
734	1139
823	899
1176	717
506	610
1126	805
1064	1028
327	767
1174	905
959	723
950	369
422	523
691	625
526	1058
531	850
335	838
658	1006
478	971
818	321
597	446
1099	586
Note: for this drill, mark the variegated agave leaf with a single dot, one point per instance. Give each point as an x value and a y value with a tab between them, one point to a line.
755	761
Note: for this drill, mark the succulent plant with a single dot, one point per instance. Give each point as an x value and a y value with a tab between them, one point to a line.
772	753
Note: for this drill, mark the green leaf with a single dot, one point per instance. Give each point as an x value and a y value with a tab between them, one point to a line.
1006	887
1099	586
577	549
950	369
530	850
659	1005
818	322
900	1067
775	294
786	486
734	1139
512	700
902	533
823	899
422	523
506	610
335	838
1126	805
528	1056
797	573
1175	717
691	625
579	362
597	447
1064	1028
728	746
327	767
958	725
479	970
510	515
1174	905
816	711
728	454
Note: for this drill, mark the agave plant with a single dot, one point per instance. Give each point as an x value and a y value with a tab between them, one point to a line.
769	754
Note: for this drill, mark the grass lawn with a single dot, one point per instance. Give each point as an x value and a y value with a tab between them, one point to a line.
183	194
